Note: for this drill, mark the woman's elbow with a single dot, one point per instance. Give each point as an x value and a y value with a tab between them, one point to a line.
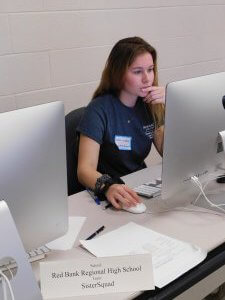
80	173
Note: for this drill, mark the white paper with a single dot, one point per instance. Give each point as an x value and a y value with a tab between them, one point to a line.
66	242
171	258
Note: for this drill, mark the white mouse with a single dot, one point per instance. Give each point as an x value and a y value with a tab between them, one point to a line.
137	209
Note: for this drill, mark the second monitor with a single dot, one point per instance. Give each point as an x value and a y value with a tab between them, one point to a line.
33	178
194	122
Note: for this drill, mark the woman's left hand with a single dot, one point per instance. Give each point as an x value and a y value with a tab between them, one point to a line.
156	95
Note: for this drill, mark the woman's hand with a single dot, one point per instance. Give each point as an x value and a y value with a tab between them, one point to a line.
156	94
121	195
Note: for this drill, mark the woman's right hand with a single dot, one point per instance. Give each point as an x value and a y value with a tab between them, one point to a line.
121	195
117	194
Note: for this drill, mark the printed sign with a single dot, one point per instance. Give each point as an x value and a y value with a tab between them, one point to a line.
96	276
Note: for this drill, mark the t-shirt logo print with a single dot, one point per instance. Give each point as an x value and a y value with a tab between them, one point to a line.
149	130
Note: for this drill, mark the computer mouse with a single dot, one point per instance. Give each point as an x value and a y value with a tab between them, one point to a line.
137	209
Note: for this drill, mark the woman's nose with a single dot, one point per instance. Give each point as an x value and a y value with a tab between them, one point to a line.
145	77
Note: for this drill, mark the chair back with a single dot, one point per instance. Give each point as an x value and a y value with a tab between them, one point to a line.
72	120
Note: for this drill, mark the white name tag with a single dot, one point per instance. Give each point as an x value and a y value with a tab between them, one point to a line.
96	276
123	142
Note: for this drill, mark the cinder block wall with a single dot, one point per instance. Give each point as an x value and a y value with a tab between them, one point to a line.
56	49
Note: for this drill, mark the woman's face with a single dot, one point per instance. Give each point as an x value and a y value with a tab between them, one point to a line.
139	75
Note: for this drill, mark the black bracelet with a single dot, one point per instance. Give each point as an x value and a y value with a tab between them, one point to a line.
103	183
100	182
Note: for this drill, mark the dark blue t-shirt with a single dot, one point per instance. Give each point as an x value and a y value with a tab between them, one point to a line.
124	133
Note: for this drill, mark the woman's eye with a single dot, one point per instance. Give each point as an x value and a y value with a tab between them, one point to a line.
150	70
137	72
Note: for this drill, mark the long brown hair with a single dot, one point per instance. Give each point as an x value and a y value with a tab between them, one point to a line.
120	58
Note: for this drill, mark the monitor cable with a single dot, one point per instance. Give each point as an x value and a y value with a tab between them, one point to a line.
196	181
5	282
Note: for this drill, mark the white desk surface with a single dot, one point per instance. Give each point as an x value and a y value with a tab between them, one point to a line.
203	229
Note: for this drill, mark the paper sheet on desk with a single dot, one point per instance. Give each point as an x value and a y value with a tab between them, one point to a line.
66	242
171	258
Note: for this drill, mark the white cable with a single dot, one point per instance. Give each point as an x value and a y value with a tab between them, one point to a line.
198	211
195	179
10	271
4	288
185	209
5	278
4	284
207	182
198	183
213	177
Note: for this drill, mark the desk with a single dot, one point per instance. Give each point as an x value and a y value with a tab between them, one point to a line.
203	229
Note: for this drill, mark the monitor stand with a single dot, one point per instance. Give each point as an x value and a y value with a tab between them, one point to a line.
24	285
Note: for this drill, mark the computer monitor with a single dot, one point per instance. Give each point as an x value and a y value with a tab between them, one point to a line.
195	115
33	171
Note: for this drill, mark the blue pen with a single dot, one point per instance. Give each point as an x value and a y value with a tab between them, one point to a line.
97	201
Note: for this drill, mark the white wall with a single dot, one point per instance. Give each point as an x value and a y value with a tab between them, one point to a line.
56	49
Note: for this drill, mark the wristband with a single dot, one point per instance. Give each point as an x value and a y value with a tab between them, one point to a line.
100	182
103	183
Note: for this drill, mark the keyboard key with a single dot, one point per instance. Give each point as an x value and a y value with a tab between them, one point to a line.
33	255
148	190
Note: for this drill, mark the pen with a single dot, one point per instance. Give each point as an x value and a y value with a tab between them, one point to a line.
108	205
97	201
95	233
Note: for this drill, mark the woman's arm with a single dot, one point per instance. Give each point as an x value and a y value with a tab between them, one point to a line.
117	194
87	162
158	139
156	95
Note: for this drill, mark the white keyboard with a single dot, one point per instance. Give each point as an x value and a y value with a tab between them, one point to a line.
149	189
34	255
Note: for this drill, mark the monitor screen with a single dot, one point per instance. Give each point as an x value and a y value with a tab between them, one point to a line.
33	171
195	115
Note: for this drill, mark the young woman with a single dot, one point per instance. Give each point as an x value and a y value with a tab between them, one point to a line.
124	118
